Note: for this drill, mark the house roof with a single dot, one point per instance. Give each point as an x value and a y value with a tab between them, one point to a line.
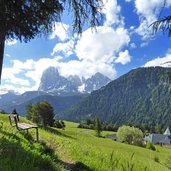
158	138
167	132
166	140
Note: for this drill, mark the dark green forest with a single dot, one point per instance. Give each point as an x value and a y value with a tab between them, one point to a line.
142	96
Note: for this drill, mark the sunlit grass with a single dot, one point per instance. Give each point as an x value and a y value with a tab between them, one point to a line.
82	149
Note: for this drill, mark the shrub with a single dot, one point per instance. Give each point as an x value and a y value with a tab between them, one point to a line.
59	124
41	113
130	135
150	146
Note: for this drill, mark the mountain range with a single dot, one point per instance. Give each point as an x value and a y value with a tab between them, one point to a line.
53	82
59	91
142	96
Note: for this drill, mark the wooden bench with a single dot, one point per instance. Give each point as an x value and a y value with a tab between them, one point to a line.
14	121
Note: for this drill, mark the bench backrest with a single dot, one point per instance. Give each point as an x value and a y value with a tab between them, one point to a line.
13	119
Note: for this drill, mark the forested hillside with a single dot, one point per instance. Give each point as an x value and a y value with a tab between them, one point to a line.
142	96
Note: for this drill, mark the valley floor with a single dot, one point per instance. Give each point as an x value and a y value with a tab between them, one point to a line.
74	149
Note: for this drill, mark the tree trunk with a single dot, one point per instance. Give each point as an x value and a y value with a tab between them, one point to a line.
2	43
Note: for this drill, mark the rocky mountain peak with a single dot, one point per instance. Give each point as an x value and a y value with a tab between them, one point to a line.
53	82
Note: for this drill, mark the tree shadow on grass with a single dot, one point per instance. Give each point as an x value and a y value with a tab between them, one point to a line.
25	156
24	133
78	166
55	131
9	135
22	154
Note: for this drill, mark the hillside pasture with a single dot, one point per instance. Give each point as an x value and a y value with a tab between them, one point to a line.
73	149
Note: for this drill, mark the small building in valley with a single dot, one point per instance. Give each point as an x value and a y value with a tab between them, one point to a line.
161	139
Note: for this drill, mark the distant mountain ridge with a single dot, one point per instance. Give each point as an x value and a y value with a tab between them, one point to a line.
142	96
61	92
10	101
53	82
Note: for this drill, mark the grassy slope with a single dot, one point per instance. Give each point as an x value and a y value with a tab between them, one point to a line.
79	148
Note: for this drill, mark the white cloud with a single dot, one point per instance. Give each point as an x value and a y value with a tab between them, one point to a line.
9	75
10	42
7	55
60	30
148	11
160	61
10	88
33	72
27	65
124	58
19	74
144	44
100	47
133	45
66	48
86	69
112	12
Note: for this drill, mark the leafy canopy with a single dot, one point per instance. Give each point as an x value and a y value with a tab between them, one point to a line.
41	113
130	135
25	19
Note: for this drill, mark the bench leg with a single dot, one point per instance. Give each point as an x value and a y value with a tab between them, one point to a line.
37	135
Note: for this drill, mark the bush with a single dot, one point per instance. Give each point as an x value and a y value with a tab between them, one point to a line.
59	124
150	146
130	135
41	113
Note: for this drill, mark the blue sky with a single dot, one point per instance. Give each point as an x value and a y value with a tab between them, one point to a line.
122	42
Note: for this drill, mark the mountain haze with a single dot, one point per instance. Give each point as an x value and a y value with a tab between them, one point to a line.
20	102
142	96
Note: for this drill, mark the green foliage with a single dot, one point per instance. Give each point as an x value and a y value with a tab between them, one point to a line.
130	135
90	124
41	16
150	146
158	129
98	127
59	124
139	97
41	113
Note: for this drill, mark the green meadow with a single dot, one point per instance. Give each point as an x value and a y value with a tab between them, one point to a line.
73	149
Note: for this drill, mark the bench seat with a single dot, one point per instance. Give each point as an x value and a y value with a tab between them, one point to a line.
26	126
14	121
